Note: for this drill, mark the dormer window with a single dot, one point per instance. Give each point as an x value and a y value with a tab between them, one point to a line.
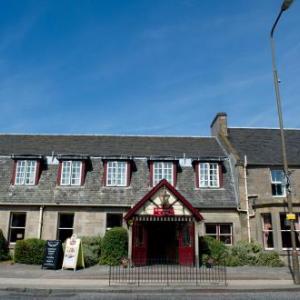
163	170
25	172
71	172
209	176
117	173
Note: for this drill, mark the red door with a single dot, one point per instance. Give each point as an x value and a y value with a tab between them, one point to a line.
186	244
139	244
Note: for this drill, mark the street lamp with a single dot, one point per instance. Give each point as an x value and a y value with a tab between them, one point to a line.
295	263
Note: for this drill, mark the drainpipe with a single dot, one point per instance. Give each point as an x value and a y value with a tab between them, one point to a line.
247	199
40	222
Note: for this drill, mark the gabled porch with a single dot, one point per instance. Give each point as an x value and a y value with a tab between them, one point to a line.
163	228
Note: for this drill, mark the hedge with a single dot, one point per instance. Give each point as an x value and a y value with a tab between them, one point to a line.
241	254
30	251
114	246
4	251
91	249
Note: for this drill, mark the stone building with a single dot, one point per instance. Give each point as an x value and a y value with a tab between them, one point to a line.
256	154
167	191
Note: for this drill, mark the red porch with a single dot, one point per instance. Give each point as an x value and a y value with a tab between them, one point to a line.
162	227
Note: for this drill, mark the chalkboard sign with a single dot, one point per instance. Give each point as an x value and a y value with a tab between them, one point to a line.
53	255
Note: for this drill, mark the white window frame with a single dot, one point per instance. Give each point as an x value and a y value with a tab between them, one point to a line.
278	182
164	166
59	228
297	230
218	233
266	231
206	168
69	178
11	227
112	179
25	172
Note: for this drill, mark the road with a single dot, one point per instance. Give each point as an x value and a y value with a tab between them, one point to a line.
227	295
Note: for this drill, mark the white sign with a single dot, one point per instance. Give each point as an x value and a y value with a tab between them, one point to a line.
73	256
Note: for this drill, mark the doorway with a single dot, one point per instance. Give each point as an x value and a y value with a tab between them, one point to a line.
162	242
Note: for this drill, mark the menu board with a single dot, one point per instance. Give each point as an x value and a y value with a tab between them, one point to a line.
73	256
53	255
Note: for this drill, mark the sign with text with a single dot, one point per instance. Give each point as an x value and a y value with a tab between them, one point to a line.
73	256
157	211
291	216
53	255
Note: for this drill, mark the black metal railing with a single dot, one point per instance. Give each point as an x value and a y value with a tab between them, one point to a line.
166	272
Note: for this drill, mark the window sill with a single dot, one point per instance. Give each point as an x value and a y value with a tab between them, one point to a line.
23	185
69	186
114	187
283	196
209	189
289	249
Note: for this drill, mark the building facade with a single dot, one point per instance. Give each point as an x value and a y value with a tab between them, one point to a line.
167	191
256	154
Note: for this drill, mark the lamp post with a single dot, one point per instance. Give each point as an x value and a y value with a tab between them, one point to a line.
295	262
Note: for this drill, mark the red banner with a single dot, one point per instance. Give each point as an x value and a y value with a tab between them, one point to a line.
157	211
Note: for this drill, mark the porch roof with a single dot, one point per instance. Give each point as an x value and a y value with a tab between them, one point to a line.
163	183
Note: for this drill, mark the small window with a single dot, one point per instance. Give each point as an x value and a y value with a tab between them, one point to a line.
17	226
114	220
163	170
71	172
186	237
116	173
267	231
65	226
277	183
285	229
209	175
25	172
220	232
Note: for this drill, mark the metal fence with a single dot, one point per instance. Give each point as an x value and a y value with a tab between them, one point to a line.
166	273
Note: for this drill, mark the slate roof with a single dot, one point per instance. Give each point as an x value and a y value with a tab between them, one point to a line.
263	146
93	191
93	145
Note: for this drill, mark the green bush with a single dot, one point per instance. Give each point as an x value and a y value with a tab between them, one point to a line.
241	254
269	259
91	249
30	251
217	251
4	251
114	246
246	253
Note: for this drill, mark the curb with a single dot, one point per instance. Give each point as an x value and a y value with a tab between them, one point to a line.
49	291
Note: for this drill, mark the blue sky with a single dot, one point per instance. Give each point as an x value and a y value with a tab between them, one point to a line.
150	67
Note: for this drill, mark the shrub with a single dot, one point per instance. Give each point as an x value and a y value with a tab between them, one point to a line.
114	246
232	261
4	251
246	253
91	250
241	254
30	251
217	251
269	259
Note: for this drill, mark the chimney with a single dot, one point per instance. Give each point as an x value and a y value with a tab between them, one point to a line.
219	125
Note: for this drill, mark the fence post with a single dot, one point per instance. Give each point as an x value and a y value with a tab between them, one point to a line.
196	274
138	279
167	273
109	275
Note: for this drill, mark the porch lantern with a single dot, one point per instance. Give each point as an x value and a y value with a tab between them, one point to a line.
164	198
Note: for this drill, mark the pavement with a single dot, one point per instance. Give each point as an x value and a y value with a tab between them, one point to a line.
19	277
